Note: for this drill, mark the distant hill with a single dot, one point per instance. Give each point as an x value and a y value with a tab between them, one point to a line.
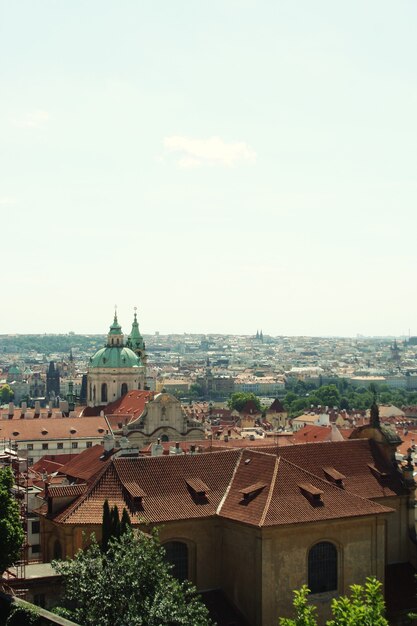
47	344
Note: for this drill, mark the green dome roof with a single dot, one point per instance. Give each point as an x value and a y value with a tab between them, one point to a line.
115	357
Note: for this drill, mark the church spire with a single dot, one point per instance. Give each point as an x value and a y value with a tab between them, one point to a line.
115	335
135	341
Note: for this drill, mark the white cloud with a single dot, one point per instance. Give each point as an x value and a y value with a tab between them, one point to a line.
34	119
213	151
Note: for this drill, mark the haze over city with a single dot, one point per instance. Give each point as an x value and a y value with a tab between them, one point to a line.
224	166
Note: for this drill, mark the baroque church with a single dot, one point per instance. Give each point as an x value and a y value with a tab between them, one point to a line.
118	367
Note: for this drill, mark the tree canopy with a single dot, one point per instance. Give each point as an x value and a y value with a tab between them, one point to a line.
364	607
238	400
11	531
130	583
6	394
301	396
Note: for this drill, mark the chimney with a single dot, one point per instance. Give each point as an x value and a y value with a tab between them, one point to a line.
157	449
109	442
11	410
37	407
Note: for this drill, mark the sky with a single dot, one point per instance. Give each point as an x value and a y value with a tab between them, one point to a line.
224	166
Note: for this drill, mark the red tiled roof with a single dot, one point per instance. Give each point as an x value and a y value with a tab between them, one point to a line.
276	407
351	458
309	434
45	465
53	429
250	408
227	474
132	403
163	479
64	491
282	501
86	464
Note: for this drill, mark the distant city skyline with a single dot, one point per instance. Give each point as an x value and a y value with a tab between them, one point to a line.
224	167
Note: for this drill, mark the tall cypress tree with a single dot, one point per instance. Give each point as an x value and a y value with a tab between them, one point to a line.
125	523
106	526
115	522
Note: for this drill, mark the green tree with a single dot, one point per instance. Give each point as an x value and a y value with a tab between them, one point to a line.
238	400
364	607
112	525
328	395
196	391
11	531
125	523
114	522
129	584
305	613
6	394
106	526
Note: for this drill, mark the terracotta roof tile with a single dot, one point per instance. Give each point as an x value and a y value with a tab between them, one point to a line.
53	429
86	464
163	480
256	487
64	491
350	458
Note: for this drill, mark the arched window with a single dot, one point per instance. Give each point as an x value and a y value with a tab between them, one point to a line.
124	389
104	392
322	567
177	554
57	550
164	438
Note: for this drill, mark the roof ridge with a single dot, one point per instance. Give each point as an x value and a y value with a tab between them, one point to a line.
271	491
226	491
329	484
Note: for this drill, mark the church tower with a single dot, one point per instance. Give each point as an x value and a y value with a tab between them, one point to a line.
114	370
136	343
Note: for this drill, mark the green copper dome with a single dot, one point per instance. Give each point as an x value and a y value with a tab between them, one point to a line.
114	357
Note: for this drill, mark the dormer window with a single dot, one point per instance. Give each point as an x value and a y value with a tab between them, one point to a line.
312	494
333	476
252	491
198	487
135	494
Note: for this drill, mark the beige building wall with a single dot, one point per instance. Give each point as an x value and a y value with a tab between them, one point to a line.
361	552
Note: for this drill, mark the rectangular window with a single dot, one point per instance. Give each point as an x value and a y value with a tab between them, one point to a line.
74	444
89	444
30	446
44	446
36	548
35	527
60	446
30	460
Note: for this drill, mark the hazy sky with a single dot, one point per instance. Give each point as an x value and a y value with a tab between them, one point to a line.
224	165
